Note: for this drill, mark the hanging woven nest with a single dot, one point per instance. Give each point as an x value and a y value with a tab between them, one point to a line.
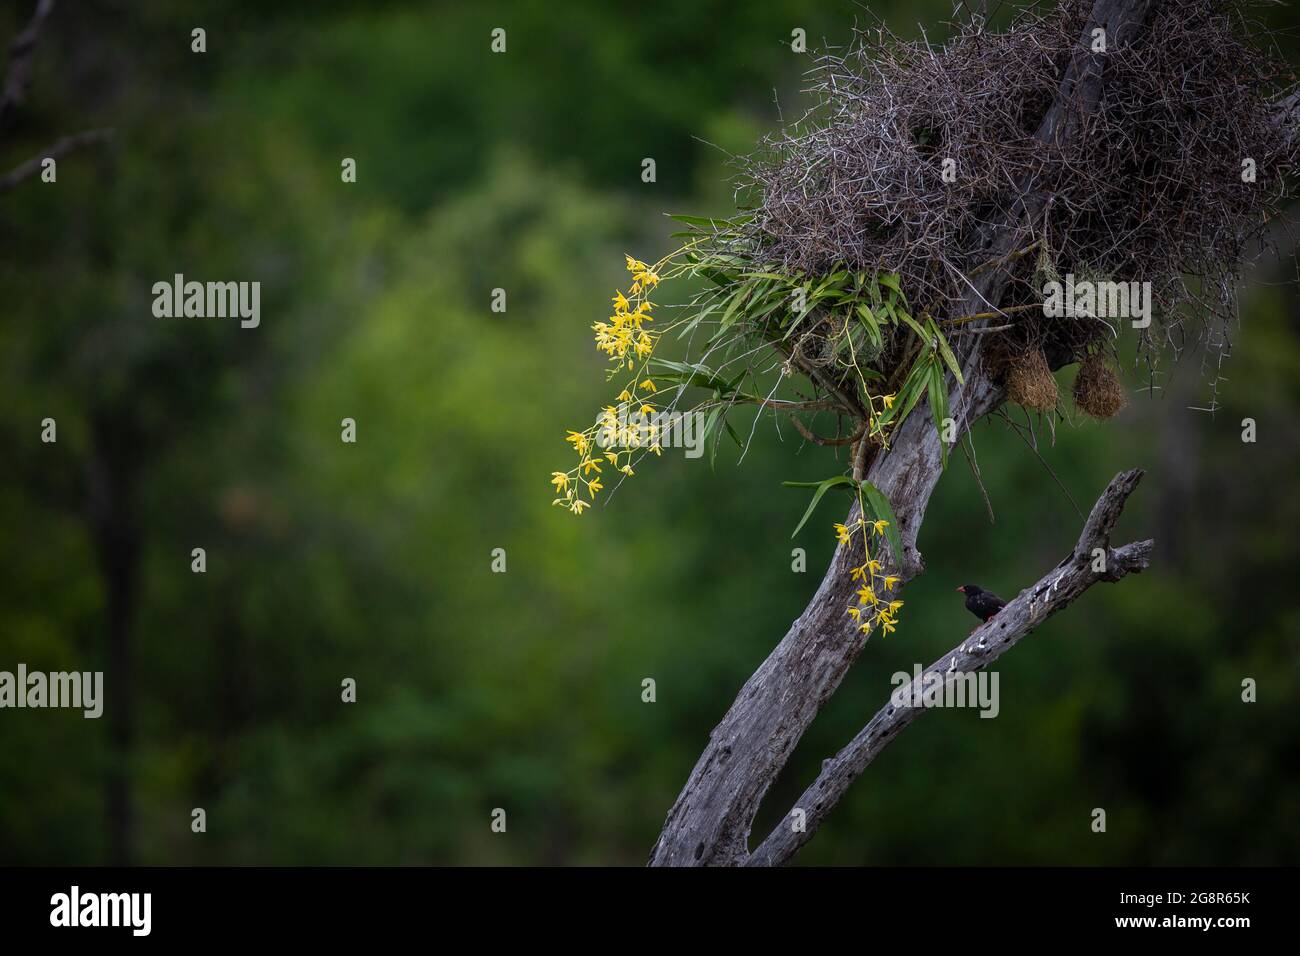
1097	388
1030	382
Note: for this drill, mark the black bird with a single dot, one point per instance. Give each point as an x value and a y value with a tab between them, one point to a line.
983	604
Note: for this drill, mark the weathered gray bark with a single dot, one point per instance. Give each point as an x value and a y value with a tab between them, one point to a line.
1054	591
710	821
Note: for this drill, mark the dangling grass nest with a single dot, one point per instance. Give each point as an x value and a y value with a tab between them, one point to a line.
1030	382
1097	389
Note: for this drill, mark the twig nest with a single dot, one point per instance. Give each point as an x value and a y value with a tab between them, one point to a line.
875	179
1097	389
1030	382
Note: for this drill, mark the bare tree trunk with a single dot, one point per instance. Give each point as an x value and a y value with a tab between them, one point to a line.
710	821
115	531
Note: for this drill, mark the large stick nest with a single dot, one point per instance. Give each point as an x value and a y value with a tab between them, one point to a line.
1150	191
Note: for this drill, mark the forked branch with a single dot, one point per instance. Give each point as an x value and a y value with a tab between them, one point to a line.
1092	560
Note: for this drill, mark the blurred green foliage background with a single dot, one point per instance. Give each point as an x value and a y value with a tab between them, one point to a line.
372	561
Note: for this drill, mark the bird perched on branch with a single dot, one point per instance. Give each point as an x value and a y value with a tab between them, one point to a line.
983	604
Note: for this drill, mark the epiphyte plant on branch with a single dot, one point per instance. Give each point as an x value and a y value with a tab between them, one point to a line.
890	264
838	332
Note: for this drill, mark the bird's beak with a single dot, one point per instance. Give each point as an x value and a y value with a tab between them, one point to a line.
962	589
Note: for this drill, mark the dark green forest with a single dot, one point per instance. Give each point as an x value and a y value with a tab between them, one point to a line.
373	560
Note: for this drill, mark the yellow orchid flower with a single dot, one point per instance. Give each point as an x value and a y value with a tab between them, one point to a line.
580	441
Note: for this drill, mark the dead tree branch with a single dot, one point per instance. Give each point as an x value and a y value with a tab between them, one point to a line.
710	821
13	94
68	144
22	49
1054	592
